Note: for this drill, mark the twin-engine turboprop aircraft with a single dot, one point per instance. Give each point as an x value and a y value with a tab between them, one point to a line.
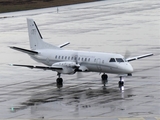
70	61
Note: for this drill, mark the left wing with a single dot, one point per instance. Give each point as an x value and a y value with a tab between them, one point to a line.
139	57
54	68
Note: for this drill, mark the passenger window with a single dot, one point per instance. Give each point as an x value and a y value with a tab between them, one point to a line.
82	59
88	59
59	57
56	56
66	57
119	60
103	61
112	60
85	59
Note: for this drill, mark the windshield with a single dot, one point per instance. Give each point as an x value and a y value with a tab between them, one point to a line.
119	60
112	60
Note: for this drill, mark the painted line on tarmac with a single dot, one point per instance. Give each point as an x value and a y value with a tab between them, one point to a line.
140	118
110	118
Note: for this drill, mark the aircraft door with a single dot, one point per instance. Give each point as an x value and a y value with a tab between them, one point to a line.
99	64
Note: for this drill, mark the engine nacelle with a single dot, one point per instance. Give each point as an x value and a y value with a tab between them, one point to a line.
66	64
68	67
67	70
83	68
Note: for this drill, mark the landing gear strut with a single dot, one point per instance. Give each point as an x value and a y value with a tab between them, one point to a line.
59	81
104	79
121	83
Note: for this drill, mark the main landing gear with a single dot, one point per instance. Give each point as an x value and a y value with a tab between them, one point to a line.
104	79
59	81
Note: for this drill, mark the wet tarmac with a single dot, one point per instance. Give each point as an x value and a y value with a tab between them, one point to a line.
108	26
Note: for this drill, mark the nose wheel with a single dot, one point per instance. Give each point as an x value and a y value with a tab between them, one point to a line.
104	78
59	81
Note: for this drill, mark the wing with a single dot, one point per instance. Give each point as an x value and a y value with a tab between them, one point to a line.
40	67
139	57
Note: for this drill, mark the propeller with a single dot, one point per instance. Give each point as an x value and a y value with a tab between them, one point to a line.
75	58
127	54
79	74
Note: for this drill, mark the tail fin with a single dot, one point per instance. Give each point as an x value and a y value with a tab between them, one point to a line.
35	37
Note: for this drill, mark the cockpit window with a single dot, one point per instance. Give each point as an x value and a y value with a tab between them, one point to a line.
119	60
112	60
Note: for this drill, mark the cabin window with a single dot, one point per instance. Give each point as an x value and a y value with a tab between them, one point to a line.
62	57
59	57
56	56
66	57
82	59
72	58
103	61
88	59
79	59
119	60
85	59
112	60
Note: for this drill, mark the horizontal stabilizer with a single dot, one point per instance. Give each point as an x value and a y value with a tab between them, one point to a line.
24	50
139	57
64	44
39	67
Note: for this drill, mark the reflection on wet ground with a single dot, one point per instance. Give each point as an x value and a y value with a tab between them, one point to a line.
74	95
108	26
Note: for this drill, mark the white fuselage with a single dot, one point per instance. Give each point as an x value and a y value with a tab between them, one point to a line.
71	61
93	61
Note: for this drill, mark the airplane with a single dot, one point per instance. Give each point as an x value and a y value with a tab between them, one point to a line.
63	61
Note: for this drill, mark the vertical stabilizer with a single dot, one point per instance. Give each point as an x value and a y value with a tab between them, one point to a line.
35	37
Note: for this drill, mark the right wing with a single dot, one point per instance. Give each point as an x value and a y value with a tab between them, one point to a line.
53	68
139	57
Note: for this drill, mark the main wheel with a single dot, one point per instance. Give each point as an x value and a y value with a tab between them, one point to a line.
104	77
121	83
59	81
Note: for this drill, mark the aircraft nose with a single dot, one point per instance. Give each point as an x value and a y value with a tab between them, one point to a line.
129	68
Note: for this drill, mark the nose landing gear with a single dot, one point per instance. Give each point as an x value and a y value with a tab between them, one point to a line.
121	83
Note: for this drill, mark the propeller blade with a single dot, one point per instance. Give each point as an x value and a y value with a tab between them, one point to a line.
75	57
79	75
127	54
